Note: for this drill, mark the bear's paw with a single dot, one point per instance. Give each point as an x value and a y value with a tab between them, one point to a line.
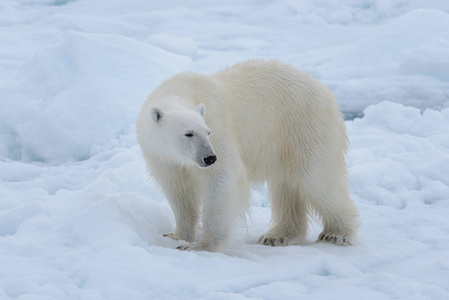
338	239
278	240
197	247
171	235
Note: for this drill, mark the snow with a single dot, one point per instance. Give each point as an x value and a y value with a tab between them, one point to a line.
77	86
78	217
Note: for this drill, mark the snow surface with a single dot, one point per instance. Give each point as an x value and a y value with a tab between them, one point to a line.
78	217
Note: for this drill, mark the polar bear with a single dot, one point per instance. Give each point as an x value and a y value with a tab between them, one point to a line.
266	122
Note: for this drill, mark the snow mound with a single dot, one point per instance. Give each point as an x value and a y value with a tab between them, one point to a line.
390	64
401	159
430	59
80	96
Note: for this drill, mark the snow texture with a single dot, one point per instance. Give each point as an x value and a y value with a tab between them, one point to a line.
78	217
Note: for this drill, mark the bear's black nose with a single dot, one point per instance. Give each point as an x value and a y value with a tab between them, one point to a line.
210	160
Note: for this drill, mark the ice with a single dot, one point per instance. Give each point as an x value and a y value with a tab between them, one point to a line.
429	59
358	73
79	218
73	98
394	138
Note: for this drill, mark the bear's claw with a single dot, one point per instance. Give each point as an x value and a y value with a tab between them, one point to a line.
171	235
342	240
196	247
278	240
184	247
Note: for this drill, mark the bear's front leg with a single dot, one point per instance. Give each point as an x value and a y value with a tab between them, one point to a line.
185	206
183	195
224	193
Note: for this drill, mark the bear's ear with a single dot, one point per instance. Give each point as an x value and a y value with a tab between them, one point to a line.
201	108
156	114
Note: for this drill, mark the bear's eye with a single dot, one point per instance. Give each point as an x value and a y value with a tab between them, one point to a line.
208	133
189	134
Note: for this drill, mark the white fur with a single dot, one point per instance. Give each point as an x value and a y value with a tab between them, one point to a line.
269	122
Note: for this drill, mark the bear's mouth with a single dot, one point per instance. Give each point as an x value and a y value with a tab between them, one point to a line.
203	166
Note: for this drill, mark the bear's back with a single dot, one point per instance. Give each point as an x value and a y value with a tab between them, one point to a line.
279	113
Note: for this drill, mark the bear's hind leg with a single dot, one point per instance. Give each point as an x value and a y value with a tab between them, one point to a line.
339	225
338	214
289	217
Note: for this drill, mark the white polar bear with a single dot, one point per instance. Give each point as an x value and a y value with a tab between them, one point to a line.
268	122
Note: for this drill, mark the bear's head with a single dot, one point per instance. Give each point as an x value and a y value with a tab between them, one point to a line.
179	134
